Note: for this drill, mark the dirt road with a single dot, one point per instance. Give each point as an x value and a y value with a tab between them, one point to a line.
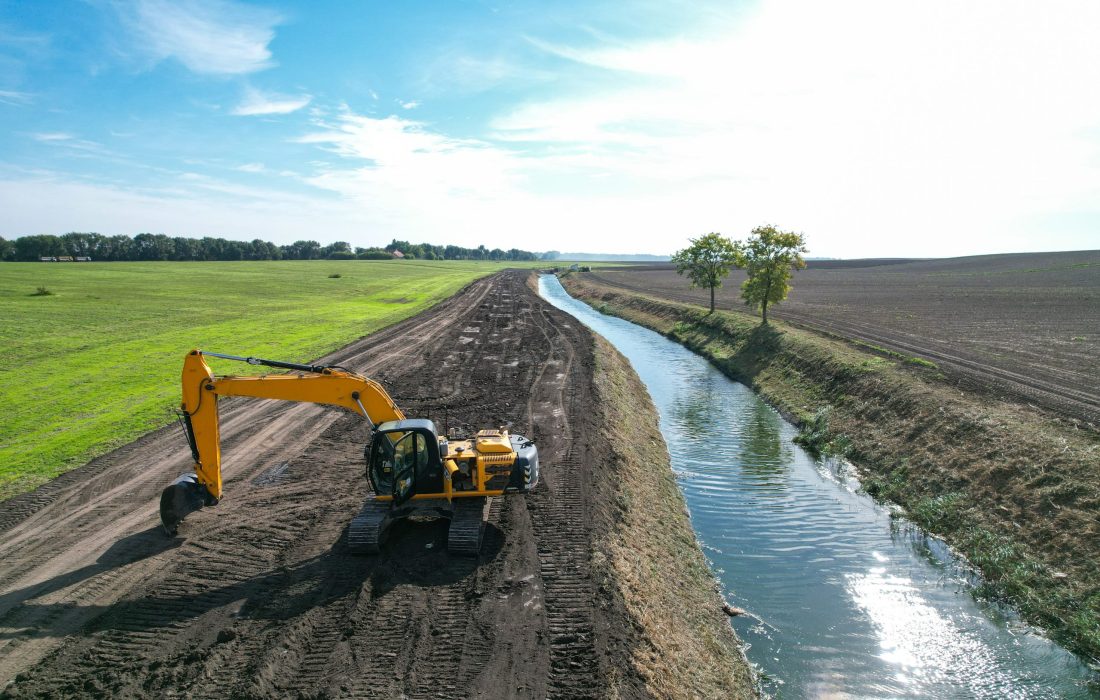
258	596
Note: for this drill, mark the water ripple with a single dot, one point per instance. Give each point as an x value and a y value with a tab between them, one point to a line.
852	605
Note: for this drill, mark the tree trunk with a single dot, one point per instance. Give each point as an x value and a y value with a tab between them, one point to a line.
764	304
712	299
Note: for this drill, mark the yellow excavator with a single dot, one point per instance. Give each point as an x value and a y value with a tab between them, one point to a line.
411	468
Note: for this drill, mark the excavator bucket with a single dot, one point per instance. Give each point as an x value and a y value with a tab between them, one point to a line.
182	497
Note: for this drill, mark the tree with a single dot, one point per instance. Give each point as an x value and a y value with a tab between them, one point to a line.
117	247
185	248
149	246
706	261
31	248
338	250
82	244
769	256
374	254
302	250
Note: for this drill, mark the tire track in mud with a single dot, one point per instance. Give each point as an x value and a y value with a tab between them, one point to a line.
260	598
563	547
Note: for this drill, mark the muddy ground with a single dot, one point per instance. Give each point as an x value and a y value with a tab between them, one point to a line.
258	596
1023	326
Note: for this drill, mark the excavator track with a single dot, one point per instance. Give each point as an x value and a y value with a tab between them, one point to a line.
467	526
367	528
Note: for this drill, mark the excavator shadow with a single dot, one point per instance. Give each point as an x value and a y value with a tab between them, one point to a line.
125	551
414	555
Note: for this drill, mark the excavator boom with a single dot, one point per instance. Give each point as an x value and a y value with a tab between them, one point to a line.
201	389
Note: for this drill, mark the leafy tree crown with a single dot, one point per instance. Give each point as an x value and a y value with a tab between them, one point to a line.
769	256
707	260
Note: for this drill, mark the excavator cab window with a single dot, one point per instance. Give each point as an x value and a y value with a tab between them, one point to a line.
410	456
398	459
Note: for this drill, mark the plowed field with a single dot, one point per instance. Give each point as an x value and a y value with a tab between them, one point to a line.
258	596
1023	326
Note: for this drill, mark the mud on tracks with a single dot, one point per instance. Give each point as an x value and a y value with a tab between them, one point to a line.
259	596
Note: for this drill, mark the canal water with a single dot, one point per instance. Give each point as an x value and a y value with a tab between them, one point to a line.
849	602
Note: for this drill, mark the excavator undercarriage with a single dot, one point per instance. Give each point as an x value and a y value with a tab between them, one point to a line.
411	468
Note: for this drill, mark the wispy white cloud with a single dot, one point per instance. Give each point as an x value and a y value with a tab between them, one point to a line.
69	142
57	202
408	178
848	120
411	104
257	103
395	158
52	136
461	71
207	36
251	168
16	98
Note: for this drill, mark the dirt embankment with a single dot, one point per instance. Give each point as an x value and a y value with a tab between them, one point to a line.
649	554
1015	490
258	597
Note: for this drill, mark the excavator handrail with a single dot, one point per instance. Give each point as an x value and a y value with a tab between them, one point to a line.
317	369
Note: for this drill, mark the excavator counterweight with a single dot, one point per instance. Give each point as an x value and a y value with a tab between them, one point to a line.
411	468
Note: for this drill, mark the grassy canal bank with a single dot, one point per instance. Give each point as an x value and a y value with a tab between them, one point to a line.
648	556
1015	491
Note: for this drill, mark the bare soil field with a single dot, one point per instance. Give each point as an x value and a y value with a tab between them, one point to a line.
1024	326
258	597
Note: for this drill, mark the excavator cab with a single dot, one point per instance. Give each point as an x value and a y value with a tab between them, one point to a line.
403	459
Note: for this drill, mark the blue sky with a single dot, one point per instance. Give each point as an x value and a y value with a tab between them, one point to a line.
877	128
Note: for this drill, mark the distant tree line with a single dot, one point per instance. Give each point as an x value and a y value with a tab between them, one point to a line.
157	246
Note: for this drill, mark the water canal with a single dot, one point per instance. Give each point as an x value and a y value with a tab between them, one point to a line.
851	602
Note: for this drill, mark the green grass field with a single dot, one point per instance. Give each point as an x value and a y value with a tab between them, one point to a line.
96	363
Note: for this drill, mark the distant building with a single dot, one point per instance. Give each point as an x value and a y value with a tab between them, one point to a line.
398	254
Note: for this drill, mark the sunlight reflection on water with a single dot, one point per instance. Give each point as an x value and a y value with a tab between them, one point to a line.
851	602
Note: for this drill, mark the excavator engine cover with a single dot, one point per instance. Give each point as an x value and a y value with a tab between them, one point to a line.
491	441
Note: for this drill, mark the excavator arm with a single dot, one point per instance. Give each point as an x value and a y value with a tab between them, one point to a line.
201	389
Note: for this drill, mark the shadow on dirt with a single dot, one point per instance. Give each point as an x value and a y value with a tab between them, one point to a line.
126	551
413	554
